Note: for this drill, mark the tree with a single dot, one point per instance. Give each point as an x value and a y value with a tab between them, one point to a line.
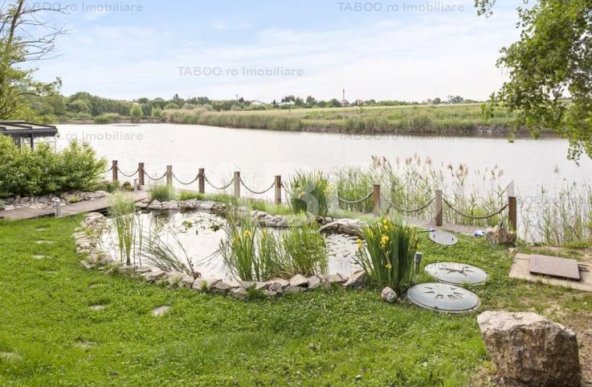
550	77
24	38
136	113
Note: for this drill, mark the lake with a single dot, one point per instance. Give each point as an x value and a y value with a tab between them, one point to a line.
261	154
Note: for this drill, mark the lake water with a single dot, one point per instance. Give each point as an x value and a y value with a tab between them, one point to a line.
260	154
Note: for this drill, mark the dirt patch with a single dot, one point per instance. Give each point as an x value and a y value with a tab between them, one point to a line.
580	323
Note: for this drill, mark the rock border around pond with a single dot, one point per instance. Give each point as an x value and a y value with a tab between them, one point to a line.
86	240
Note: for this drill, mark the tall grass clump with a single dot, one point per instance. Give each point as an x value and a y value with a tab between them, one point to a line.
560	219
388	254
309	192
122	209
167	254
162	192
305	250
352	185
249	251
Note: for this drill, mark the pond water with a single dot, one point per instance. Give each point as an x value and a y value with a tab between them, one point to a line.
260	154
197	236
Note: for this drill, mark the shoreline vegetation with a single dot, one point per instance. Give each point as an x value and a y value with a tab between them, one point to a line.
444	120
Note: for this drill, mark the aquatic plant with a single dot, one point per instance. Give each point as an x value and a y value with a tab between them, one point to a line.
122	209
387	254
304	250
309	192
164	251
162	192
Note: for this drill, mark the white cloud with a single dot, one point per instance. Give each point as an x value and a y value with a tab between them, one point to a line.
415	59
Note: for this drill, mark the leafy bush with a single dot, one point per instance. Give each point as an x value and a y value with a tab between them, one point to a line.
162	193
388	255
309	193
43	171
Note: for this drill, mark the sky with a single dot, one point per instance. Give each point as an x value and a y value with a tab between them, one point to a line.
267	49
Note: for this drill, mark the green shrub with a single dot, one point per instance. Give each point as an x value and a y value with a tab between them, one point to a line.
162	193
309	193
388	255
43	171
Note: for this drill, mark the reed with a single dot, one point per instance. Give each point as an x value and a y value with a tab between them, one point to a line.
162	192
305	251
309	192
386	254
122	209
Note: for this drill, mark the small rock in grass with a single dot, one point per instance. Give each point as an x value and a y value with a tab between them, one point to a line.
98	307
262	285
220	287
388	295
294	289
161	310
187	281
247	284
335	279
314	282
200	284
152	276
39	257
298	280
10	356
356	280
275	287
270	293
282	282
239	293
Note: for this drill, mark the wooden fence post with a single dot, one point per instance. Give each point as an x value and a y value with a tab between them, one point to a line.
115	170
438	208
169	175
237	184
513	212
202	180
376	199
278	189
141	174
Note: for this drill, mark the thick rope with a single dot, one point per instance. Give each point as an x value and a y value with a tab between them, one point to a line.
257	192
126	175
184	183
419	209
220	188
154	179
475	217
355	201
108	170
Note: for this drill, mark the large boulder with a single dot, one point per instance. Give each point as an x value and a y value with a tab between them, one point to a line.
530	350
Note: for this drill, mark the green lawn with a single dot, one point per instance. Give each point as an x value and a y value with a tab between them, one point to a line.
50	336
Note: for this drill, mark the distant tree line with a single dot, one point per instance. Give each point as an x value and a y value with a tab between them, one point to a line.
84	106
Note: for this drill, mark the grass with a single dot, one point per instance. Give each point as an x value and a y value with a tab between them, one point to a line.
162	193
462	119
320	338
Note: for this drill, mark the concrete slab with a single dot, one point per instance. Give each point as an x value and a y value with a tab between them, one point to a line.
521	270
565	268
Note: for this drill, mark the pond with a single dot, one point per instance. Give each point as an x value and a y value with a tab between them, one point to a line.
197	236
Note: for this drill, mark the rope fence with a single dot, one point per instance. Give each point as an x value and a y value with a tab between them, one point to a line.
283	192
483	217
219	188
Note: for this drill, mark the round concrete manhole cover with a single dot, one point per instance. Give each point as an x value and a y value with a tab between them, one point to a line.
443	238
456	273
443	297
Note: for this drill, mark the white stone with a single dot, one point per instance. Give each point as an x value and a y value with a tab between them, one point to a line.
388	295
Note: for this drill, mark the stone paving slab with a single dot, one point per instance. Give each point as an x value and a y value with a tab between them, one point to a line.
521	270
